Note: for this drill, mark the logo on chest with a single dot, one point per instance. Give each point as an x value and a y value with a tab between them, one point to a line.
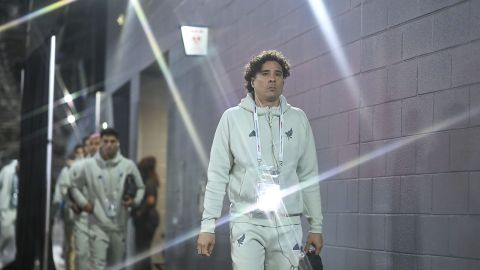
288	134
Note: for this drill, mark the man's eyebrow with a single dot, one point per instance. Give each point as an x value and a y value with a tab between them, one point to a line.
275	70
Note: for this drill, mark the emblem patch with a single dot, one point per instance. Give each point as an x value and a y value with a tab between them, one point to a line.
241	240
289	134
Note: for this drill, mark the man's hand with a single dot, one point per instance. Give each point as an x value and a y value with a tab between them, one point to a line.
316	240
88	208
128	202
205	243
75	208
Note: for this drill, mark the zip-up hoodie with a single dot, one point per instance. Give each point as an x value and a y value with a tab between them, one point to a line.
80	220
233	165
105	179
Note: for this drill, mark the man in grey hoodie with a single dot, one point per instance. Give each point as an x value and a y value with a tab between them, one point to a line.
80	256
105	176
264	154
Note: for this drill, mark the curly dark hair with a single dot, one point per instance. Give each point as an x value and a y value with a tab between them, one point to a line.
109	132
254	66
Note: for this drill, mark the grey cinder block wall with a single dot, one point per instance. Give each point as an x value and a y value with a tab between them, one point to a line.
404	116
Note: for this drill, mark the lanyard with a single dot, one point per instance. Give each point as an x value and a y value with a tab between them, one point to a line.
107	183
257	136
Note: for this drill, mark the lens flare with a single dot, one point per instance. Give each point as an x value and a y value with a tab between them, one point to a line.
68	98
171	84
306	184
71	119
332	38
35	14
333	41
269	197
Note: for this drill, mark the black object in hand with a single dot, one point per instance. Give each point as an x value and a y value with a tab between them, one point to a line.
311	262
130	187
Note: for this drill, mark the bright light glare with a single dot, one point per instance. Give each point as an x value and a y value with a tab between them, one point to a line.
269	197
68	98
333	41
172	87
35	14
104	125
331	37
306	184
71	119
121	20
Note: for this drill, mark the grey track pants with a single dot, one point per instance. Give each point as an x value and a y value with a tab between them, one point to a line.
257	247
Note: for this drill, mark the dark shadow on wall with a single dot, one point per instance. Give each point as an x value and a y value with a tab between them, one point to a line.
30	225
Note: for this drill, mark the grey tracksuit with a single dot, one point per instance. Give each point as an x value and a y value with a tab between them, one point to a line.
61	197
81	234
104	181
259	242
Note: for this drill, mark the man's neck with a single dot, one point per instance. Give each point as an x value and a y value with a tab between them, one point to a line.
264	103
105	157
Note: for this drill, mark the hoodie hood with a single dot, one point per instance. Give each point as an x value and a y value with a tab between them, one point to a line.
248	104
102	163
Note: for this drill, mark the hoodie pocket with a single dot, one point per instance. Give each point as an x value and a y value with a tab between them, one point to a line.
235	183
247	192
242	183
242	186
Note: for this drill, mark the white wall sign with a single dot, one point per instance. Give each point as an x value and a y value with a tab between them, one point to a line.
195	40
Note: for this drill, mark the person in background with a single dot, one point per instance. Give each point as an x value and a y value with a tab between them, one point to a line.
78	152
106	187
8	209
81	233
94	142
86	145
62	203
145	216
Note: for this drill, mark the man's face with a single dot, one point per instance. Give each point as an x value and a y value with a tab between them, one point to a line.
94	145
109	146
79	153
268	82
86	147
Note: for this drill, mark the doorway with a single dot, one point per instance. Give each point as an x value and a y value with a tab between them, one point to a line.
154	102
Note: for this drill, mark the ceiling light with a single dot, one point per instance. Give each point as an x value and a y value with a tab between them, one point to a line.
121	20
71	119
68	98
